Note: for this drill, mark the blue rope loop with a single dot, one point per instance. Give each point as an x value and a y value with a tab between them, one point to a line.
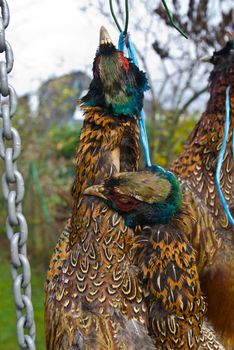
125	41
221	157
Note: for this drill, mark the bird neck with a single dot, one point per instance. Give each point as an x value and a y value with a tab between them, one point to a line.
118	93
162	212
197	163
218	85
107	144
209	131
208	135
126	101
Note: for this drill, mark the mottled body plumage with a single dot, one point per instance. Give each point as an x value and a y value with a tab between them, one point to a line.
163	255
212	235
176	306
98	293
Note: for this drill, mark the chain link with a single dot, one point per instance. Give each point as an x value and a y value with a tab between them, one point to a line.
13	193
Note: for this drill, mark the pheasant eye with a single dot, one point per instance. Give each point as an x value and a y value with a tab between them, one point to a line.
124	203
125	200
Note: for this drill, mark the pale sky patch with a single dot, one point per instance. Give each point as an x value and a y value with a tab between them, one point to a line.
50	38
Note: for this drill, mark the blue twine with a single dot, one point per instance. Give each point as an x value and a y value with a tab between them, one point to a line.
144	138
121	42
131	51
221	156
141	122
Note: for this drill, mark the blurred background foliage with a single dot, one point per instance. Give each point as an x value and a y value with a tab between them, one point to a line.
49	123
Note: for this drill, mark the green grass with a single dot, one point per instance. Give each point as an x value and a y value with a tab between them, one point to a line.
7	308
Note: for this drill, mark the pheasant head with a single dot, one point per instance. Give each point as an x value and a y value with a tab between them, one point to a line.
117	85
225	56
145	198
222	74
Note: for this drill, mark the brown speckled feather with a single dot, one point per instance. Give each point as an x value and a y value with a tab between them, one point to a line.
96	302
209	339
176	306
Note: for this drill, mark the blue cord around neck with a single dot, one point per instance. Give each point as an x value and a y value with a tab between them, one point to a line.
221	157
124	39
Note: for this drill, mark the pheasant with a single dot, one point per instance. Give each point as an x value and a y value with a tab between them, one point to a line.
93	296
212	235
151	204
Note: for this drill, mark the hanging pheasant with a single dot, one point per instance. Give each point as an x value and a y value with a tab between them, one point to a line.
212	235
93	296
150	202
109	140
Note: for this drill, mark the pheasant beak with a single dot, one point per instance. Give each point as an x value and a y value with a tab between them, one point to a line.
104	37
96	190
206	59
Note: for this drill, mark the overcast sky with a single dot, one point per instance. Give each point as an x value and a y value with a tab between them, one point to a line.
50	37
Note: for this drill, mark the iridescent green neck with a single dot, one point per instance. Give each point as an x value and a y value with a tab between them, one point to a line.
160	212
116	91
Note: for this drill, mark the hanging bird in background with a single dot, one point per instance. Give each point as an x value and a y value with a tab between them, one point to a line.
151	204
212	235
93	296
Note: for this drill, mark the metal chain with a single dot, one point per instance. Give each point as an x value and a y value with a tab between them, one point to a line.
13	193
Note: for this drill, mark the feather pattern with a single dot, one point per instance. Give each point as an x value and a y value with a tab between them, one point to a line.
165	258
98	294
176	305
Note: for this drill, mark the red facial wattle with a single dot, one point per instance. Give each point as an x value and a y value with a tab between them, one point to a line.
125	62
124	203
